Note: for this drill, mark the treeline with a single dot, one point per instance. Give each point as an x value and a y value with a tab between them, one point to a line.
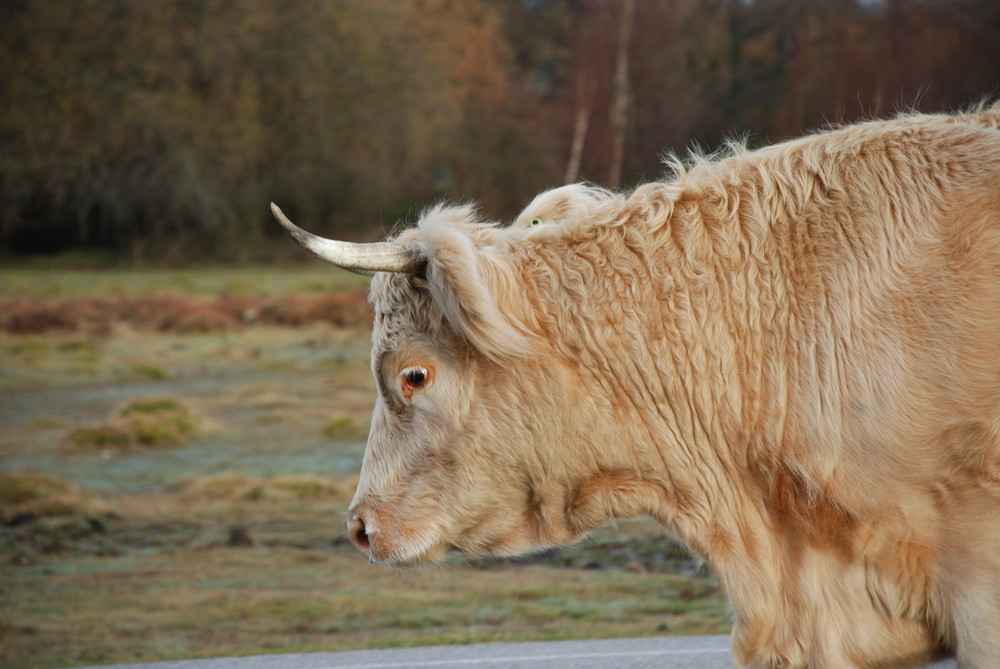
159	131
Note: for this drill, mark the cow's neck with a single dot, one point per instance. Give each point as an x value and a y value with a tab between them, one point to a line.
691	414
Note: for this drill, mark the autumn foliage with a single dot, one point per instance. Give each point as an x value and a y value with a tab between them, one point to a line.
159	131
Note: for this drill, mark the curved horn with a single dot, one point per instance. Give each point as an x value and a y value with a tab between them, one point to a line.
403	257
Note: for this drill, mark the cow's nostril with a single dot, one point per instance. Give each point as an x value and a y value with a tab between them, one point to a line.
359	535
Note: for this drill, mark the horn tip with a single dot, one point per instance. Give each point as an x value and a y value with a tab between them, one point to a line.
285	222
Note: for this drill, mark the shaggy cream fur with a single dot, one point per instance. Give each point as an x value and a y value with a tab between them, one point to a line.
790	357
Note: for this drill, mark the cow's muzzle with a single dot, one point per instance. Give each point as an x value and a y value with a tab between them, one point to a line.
357	530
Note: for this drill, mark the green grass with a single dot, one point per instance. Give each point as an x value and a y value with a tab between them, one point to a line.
142	578
43	284
218	600
118	549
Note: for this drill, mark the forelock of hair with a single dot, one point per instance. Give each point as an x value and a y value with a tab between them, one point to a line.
469	289
474	280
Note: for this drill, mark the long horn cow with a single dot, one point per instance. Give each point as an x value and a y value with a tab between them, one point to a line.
790	357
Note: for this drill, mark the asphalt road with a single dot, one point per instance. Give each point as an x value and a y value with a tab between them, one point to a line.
703	652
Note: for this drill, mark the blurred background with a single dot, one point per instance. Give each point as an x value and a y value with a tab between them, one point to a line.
157	132
185	393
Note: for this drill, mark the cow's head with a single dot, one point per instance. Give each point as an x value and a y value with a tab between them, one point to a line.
468	420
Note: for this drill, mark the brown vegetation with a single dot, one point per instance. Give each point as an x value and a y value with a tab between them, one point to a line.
181	314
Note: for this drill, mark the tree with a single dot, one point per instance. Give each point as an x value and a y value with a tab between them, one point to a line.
160	130
620	95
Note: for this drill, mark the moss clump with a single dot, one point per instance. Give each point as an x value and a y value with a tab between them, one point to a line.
29	486
155	422
161	430
154	405
149	372
110	436
31	495
345	428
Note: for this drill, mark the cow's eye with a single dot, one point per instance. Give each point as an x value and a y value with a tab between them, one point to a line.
414	378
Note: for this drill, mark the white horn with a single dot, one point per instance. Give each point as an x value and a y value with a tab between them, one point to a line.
403	257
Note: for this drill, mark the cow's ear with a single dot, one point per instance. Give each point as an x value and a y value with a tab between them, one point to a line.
476	286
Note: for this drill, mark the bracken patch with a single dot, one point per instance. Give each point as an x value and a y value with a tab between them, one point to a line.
173	313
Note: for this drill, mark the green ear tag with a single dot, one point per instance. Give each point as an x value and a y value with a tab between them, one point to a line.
536	221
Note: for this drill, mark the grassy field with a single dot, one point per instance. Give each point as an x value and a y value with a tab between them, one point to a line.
57	283
174	487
